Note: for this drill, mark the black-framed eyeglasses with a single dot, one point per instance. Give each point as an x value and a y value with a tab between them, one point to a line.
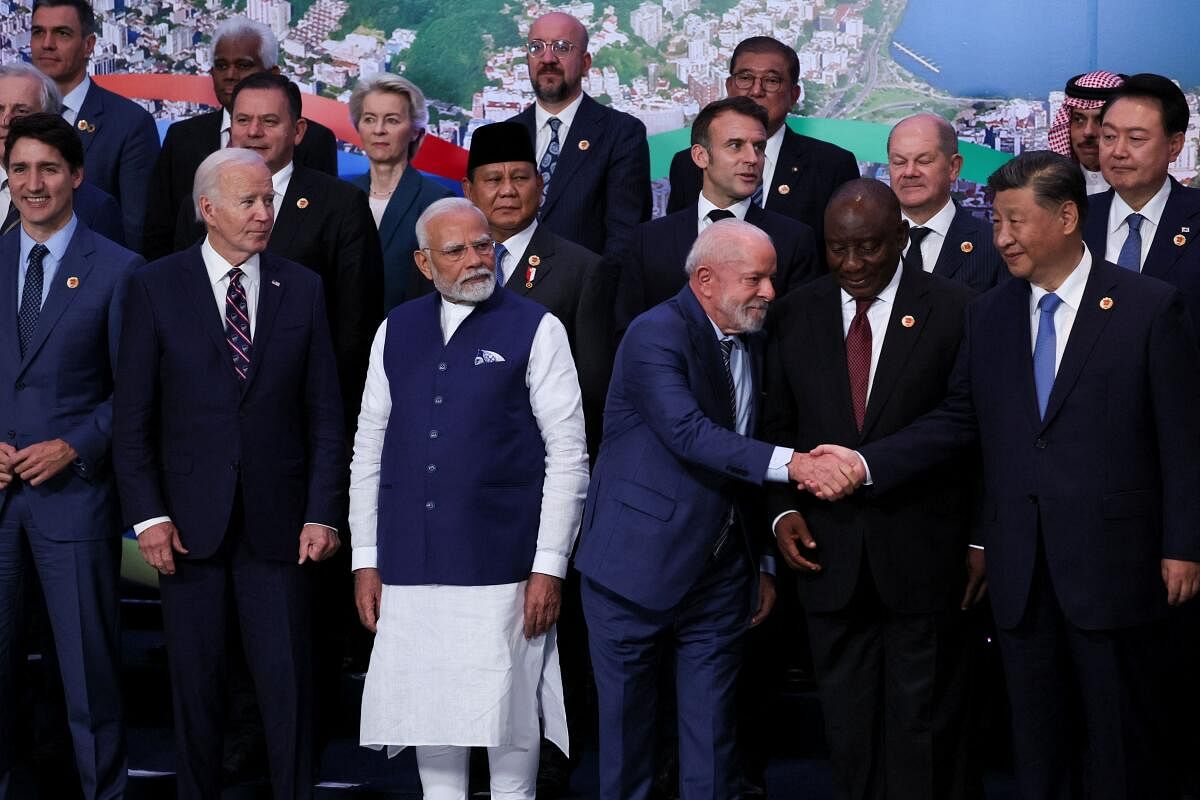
560	47
483	248
770	82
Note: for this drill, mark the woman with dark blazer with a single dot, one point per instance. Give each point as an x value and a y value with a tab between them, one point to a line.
390	115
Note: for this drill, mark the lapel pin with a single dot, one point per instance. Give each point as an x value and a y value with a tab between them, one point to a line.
535	261
1186	230
908	320
785	189
966	247
795	169
1180	240
584	144
82	124
72	282
274	283
302	203
530	274
1106	303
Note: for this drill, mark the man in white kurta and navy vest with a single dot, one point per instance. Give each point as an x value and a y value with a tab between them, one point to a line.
467	489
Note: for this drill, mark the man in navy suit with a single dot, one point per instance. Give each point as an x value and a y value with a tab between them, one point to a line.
120	140
671	528
234	488
800	172
728	141
594	160
944	238
61	304
1079	380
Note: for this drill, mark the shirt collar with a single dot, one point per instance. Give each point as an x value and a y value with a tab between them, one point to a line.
1153	210
279	182
704	205
541	116
722	335
887	295
74	98
939	223
3	180
217	267
226	119
1070	291
518	243
56	244
775	144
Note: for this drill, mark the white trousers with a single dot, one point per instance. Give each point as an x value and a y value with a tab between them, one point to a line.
445	771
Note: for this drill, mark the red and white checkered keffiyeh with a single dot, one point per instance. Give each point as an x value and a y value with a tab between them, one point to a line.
1089	90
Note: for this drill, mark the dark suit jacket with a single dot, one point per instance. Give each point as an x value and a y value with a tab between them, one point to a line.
653	271
333	235
914	537
982	267
1107	480
1177	264
62	388
398	234
671	463
119	155
95	208
184	453
810	169
188	142
601	191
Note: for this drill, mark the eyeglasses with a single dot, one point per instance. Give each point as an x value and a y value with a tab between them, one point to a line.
560	47
770	82
483	248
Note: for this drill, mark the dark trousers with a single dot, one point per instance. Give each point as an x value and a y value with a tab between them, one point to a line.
893	691
271	602
705	632
80	587
1086	709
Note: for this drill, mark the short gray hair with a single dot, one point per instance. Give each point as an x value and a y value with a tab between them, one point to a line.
51	96
723	242
446	205
208	174
238	27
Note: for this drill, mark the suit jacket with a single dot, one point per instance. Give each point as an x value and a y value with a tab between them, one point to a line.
979	265
277	436
334	235
914	537
805	177
600	190
95	208
653	271
1107	480
1177	264
120	145
187	143
398	234
671	463
62	388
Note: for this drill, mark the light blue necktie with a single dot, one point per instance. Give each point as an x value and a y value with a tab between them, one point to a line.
1044	351
501	251
550	159
756	199
1130	256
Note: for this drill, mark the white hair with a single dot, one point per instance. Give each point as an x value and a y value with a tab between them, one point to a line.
208	174
239	27
722	242
447	205
51	97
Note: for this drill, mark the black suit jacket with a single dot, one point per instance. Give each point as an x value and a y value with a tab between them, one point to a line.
914	537
806	175
601	187
188	142
969	255
652	272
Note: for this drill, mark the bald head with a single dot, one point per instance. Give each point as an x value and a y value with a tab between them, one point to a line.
923	163
558	60
863	195
864	237
729	270
562	26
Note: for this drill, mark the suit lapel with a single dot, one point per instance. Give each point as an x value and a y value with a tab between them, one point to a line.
829	350
200	291
10	222
910	315
76	263
290	218
90	117
213	132
1180	218
588	124
541	250
792	163
398	204
952	256
704	343
270	293
1095	234
684	235
10	255
1090	320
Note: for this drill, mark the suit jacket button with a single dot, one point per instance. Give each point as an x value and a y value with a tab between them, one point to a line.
234	465
433	434
430	505
1033	498
20	385
12	434
1039	443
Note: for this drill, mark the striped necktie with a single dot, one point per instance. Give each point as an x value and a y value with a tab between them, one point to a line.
237	323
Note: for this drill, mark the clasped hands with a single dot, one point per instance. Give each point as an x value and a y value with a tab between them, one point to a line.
829	472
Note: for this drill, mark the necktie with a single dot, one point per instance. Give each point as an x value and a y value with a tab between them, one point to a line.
913	258
858	358
1130	256
550	159
501	252
237	323
757	197
1044	350
716	215
726	355
31	297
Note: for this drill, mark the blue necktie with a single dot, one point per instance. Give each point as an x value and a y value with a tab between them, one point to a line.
1044	350
31	297
756	199
550	159
501	251
1130	256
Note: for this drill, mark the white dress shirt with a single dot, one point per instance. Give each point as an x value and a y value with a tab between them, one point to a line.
939	228
774	145
704	205
1094	181
73	100
1118	228
516	245
226	126
541	118
279	182
1070	291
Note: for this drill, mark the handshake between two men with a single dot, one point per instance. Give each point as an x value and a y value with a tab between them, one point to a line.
829	472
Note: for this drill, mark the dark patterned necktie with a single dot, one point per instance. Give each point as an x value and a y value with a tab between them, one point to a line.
31	297
726	355
716	215
550	159
913	258
237	323
858	358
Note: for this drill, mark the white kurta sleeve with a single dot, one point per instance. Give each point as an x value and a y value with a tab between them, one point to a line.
558	408
368	450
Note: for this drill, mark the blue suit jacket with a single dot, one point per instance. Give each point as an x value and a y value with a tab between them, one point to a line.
670	462
398	234
187	433
119	155
980	266
600	190
1107	479
62	388
94	207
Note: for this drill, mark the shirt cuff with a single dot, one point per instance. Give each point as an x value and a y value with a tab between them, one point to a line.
326	527
549	563
766	564
775	522
142	527
777	466
976	547
866	469
364	558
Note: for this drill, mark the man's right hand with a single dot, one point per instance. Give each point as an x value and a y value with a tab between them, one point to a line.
794	538
7	451
827	472
158	544
368	589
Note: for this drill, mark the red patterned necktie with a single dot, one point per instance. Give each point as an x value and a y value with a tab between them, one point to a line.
237	323
858	358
